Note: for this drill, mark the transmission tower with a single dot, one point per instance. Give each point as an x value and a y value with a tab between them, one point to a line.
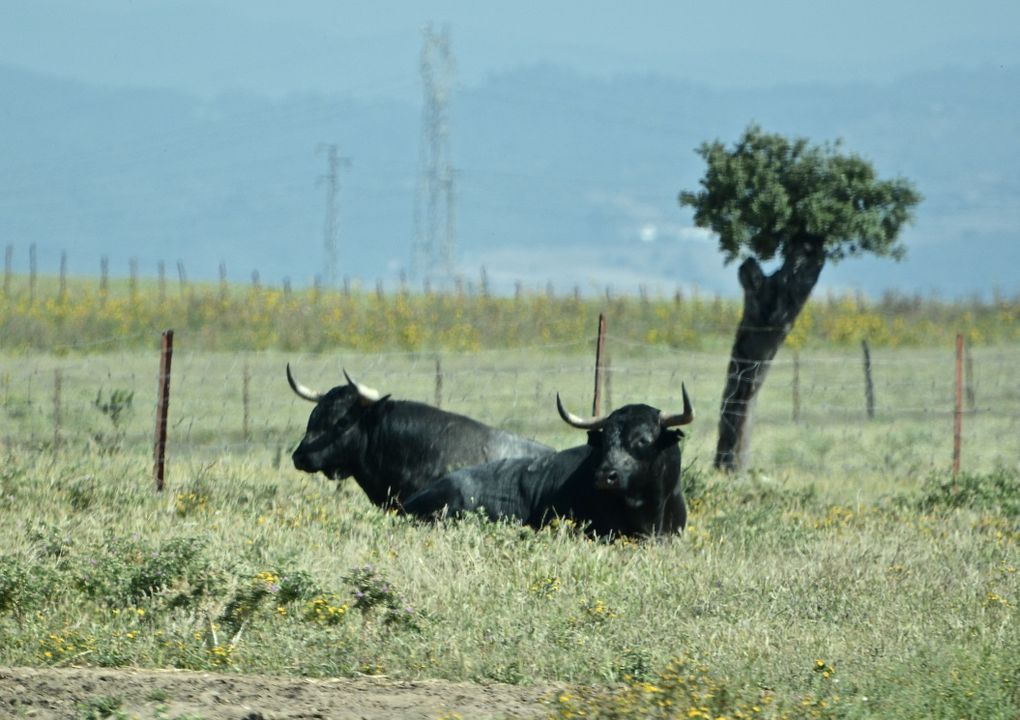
331	228
434	256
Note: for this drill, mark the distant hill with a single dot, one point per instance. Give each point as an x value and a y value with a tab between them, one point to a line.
559	177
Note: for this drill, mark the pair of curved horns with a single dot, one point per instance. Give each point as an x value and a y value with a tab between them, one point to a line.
594	423
368	395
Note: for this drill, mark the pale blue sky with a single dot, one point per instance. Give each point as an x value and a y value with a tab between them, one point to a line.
371	48
120	197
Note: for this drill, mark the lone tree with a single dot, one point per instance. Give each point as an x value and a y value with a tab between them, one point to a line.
772	198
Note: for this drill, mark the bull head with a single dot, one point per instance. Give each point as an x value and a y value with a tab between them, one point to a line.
636	454
594	423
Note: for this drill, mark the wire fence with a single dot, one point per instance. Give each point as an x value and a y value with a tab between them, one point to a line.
814	413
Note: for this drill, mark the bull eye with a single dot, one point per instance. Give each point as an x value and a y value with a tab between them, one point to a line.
642	441
342	415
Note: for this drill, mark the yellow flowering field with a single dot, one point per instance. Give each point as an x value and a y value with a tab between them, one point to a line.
236	317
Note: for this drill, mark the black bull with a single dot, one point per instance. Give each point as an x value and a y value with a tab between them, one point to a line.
624	481
393	448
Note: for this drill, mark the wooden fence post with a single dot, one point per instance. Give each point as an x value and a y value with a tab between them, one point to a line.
869	386
133	279
104	277
968	379
796	386
58	382
600	344
32	274
958	411
439	383
8	269
182	278
246	403
62	293
162	403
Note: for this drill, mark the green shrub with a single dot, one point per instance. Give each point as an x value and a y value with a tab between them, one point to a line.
996	491
23	587
128	570
371	590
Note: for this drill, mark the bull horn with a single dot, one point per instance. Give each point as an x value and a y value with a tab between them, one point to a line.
683	419
300	390
569	418
368	395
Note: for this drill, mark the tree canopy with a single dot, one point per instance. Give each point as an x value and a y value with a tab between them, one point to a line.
808	204
770	195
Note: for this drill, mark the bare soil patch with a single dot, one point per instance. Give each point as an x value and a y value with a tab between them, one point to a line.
51	693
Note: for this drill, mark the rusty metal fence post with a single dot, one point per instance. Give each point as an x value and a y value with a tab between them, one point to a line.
600	345
162	403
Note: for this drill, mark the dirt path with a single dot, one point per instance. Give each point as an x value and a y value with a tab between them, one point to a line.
49	694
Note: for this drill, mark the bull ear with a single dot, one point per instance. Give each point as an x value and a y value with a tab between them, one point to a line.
300	390
569	418
684	418
366	395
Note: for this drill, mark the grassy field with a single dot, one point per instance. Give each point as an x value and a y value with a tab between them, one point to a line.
776	598
847	574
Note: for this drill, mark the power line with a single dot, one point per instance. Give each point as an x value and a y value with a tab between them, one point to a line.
434	199
331	228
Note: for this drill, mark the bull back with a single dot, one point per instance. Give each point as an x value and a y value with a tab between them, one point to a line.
393	448
624	481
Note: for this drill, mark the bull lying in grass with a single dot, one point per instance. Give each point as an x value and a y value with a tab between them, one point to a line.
624	481
394	448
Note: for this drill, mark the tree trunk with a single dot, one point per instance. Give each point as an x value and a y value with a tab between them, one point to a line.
771	306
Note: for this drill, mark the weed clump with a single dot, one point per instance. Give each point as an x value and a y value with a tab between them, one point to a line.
997	491
23	587
683	689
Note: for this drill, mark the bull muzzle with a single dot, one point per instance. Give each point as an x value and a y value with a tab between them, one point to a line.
607	480
303	462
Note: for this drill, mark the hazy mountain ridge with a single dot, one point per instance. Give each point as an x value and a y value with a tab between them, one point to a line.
581	174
